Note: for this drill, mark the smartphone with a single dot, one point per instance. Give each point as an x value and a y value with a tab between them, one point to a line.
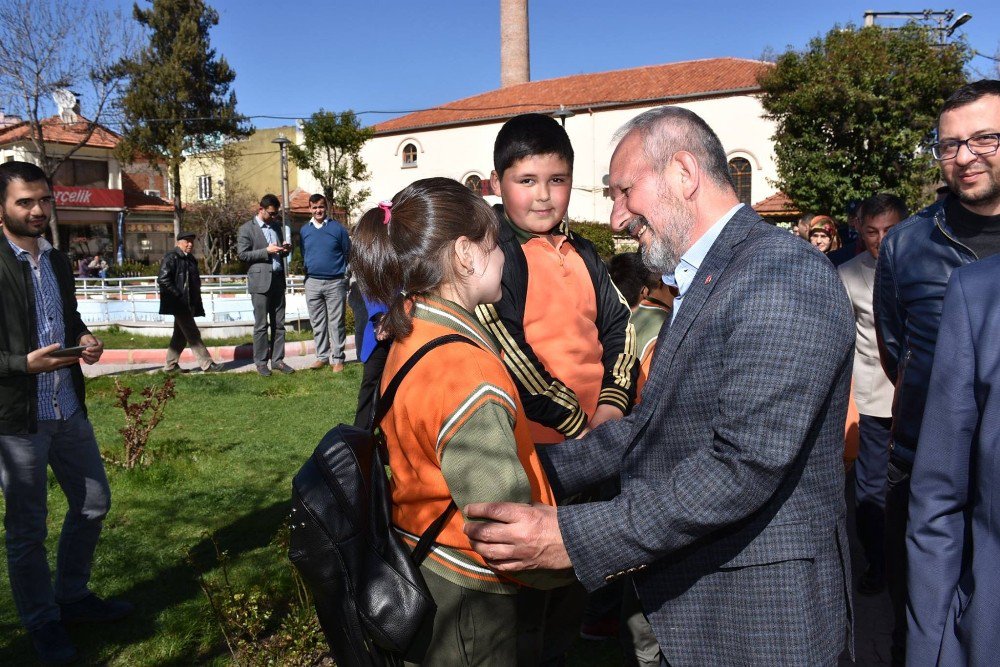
69	351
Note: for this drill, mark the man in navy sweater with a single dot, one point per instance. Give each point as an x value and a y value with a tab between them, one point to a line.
326	248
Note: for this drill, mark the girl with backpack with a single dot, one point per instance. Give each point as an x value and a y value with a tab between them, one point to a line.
456	430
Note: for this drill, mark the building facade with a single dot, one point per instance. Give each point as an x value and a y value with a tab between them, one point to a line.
456	139
102	207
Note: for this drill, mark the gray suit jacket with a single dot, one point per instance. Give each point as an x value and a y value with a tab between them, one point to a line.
731	516
872	387
251	248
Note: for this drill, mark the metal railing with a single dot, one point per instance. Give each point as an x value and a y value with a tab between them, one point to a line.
123	289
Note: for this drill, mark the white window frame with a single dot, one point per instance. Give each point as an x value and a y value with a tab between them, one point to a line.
204	188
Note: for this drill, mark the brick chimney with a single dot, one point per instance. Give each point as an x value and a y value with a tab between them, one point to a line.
514	60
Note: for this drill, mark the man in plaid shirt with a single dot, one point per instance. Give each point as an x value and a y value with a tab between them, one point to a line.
43	422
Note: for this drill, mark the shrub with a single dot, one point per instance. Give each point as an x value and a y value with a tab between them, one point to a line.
140	419
296	265
132	269
600	235
233	269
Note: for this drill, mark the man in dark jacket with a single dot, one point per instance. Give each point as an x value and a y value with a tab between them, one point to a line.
180	295
43	422
914	264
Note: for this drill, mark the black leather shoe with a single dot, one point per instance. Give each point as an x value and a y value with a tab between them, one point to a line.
93	609
52	644
263	370
282	367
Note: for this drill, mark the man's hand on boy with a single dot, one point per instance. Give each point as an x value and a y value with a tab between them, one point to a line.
604	413
517	537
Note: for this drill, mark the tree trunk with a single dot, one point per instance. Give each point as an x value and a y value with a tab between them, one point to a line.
175	180
54	227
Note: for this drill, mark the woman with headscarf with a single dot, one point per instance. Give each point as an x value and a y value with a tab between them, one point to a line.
823	234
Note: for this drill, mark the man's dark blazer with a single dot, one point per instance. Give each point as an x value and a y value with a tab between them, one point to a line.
731	517
953	536
251	248
19	336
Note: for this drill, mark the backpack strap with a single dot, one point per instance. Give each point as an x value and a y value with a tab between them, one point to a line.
384	402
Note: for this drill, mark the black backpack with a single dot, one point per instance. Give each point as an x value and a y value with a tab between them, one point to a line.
370	597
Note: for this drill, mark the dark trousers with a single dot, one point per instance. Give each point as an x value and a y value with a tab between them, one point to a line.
897	507
370	380
469	628
548	623
870	470
269	322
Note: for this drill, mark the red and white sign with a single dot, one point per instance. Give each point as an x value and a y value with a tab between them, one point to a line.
73	197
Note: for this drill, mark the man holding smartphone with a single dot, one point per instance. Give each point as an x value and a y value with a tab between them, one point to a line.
43	422
260	245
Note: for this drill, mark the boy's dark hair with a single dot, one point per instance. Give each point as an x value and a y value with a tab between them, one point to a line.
316	198
527	135
19	171
269	200
405	251
970	93
880	203
630	274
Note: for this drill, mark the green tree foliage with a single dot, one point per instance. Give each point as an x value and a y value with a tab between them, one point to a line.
600	235
855	112
331	151
178	97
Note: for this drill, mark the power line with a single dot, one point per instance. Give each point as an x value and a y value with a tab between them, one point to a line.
504	107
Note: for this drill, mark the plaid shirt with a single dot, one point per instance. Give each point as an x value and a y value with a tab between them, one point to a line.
56	396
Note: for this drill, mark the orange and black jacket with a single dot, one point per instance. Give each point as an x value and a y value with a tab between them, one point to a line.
546	399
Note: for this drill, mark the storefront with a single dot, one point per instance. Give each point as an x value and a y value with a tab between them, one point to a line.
147	239
88	220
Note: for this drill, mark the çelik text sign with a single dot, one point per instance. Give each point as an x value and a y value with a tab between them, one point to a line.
72	197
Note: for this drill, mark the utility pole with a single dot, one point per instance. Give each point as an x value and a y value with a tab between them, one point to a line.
945	20
283	142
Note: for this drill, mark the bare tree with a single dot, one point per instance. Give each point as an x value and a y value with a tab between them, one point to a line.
52	48
216	223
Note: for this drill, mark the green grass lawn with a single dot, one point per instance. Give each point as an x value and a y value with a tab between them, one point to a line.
220	468
116	339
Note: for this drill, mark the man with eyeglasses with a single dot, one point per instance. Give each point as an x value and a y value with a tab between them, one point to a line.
914	264
260	245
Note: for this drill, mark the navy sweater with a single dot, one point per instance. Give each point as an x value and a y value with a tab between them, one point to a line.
325	251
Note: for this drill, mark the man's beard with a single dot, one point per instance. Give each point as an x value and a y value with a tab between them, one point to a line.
19	228
990	195
666	247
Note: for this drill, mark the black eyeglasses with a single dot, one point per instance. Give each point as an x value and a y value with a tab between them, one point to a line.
981	144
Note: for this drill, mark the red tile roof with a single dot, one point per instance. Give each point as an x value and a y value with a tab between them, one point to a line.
777	205
58	132
628	87
298	203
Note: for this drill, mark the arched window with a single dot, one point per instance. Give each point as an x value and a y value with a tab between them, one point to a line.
739	168
409	155
475	184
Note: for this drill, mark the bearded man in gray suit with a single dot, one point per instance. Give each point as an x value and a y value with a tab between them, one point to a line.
731	516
